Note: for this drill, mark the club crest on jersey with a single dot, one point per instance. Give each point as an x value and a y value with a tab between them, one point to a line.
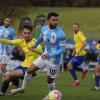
53	37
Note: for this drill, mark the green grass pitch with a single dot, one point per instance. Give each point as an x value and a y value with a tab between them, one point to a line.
38	88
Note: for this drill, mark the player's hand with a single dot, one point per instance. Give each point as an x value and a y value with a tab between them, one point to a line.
73	53
44	56
78	53
31	48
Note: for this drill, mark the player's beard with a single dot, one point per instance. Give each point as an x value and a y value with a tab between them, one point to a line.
52	26
28	39
6	26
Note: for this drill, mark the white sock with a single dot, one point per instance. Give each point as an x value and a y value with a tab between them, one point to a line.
51	86
26	80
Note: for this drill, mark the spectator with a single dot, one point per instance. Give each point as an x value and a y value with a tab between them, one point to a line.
24	20
38	23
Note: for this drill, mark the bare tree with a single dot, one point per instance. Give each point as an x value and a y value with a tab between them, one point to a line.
13	8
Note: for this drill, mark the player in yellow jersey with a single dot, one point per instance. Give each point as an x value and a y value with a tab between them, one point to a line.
24	42
97	68
79	54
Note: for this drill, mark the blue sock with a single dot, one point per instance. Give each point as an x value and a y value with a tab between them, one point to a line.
72	71
97	81
15	81
4	86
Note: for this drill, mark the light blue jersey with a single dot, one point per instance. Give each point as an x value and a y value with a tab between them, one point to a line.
7	33
54	43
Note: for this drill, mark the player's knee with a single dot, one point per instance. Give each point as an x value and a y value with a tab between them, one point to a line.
29	71
32	69
3	69
97	70
97	67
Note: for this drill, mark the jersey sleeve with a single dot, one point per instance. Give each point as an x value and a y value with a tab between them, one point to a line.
38	49
13	42
39	40
12	35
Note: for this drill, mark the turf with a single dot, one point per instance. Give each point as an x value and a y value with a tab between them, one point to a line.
38	88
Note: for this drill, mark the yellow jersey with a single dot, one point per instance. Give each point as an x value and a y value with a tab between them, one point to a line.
98	48
79	39
30	56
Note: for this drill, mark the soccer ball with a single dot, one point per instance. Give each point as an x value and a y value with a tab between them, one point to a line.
55	95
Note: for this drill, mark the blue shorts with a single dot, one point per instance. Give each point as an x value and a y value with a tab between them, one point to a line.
77	60
23	69
98	59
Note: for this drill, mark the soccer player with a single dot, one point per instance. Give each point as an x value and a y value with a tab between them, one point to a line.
24	43
79	54
97	69
6	31
54	38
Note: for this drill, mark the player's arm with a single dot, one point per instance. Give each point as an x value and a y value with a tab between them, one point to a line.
38	49
39	40
13	42
74	52
61	50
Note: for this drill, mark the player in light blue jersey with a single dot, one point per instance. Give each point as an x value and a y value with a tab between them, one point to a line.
7	32
54	38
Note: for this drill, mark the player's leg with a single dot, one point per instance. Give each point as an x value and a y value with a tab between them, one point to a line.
97	77
8	78
3	68
27	77
85	68
15	82
28	74
4	59
70	66
3	63
76	62
51	86
38	64
52	72
32	69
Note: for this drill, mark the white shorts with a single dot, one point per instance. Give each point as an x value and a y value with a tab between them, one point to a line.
4	59
51	68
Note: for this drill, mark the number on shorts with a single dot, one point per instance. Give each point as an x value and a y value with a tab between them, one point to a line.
52	72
